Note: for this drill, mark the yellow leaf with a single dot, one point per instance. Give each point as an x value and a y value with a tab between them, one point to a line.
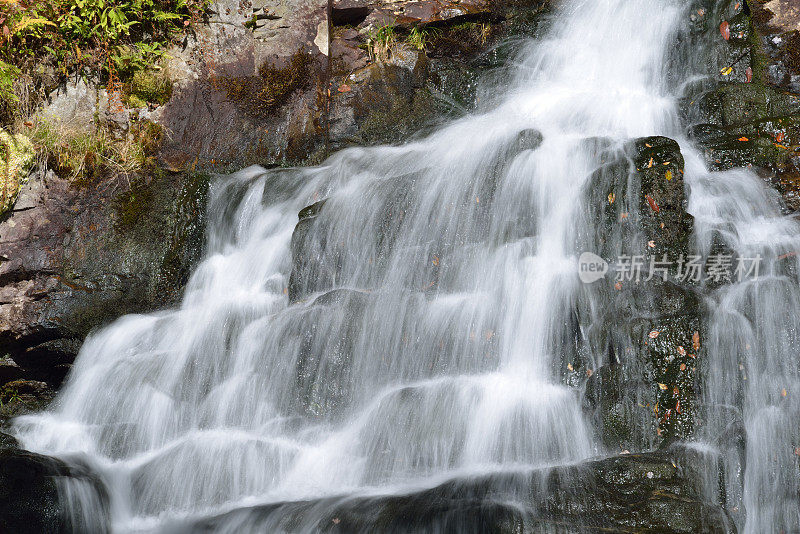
569	366
662	386
27	22
726	71
611	197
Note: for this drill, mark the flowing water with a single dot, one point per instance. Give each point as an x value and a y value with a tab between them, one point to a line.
431	309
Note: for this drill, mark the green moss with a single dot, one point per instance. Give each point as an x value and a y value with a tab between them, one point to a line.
261	95
132	206
16	157
149	86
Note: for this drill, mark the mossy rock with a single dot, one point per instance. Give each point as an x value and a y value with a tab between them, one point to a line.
16	157
149	86
737	104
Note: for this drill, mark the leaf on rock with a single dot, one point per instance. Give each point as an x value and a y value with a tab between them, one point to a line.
725	30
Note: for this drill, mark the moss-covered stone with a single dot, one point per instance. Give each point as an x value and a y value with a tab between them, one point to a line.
262	94
16	158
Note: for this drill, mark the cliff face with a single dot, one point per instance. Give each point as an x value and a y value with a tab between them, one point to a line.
272	82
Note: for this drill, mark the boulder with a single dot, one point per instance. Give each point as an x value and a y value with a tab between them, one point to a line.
76	258
655	492
34	495
642	394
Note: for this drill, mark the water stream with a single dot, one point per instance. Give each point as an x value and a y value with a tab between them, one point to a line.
424	330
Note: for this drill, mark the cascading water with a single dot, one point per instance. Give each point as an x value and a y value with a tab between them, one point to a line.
423	330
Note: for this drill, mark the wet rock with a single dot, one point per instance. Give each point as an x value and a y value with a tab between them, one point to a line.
76	258
659	492
636	208
734	105
9	370
778	25
32	495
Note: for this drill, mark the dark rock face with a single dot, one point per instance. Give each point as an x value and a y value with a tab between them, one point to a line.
653	492
641	390
75	258
34	490
212	122
745	113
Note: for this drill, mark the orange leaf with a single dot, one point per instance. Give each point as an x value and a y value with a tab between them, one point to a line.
653	334
696	340
725	30
743	139
652	203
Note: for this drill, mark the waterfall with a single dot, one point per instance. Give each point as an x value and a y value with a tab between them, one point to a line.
413	325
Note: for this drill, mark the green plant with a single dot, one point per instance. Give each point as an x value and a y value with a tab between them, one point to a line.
110	38
420	37
381	43
9	395
83	156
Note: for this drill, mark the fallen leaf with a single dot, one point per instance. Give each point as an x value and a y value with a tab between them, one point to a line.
623	216
676	391
725	30
662	386
651	244
570	367
681	350
335	520
344	88
650	163
618	286
589	372
779	137
652	203
611	198
683	367
781	146
653	334
648	145
678	407
743	139
696	340
668	176
748	74
783	392
726	71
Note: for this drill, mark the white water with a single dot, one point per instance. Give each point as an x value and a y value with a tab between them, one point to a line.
445	357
